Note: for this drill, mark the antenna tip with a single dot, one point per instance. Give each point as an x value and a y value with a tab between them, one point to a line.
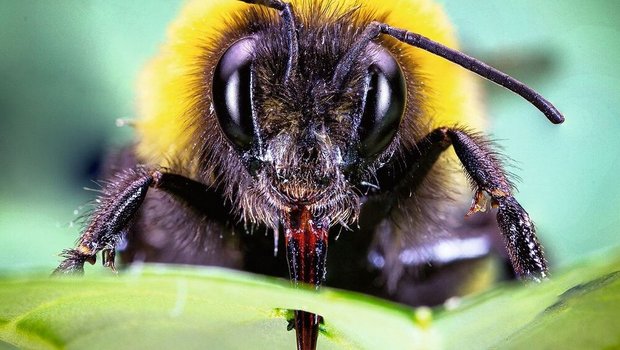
555	118
553	114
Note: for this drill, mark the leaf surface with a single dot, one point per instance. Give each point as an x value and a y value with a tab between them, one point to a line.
198	308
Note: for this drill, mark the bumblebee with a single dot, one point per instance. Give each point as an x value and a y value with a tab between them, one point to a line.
308	118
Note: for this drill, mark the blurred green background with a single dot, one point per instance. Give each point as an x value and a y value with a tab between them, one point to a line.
67	72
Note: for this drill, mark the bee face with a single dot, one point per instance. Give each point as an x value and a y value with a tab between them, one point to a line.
306	137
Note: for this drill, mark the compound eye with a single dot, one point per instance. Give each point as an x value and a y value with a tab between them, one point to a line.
384	104
232	93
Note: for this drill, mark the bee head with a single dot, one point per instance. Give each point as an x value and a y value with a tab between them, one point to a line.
307	129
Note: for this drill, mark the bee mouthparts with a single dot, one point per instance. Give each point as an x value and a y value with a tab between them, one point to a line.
306	251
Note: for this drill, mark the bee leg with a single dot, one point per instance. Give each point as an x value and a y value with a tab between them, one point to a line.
485	171
119	203
487	175
108	257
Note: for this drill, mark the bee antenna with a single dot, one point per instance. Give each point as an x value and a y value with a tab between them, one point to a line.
374	29
346	62
286	12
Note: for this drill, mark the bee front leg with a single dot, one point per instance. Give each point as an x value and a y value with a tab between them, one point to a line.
120	201
487	175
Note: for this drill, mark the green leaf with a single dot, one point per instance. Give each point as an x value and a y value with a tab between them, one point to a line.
187	308
578	308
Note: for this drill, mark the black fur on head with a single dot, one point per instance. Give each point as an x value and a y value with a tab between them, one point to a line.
305	147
